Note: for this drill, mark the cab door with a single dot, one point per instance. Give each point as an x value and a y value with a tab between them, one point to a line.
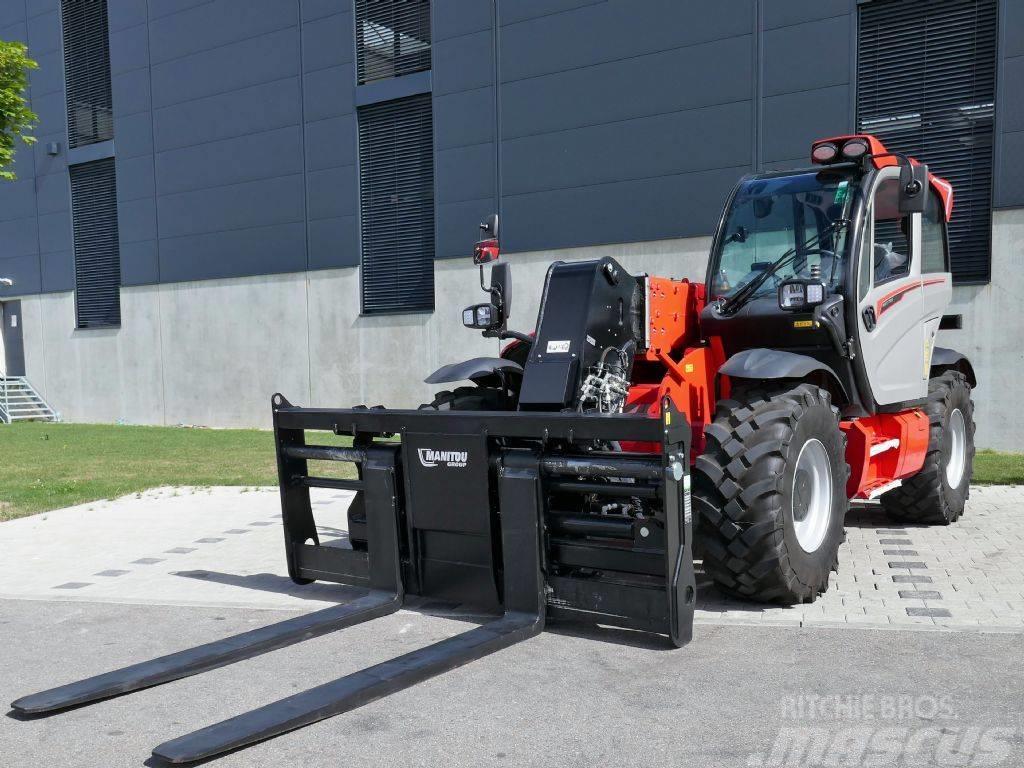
890	308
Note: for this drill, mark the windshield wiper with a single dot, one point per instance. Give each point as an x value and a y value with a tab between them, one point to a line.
734	303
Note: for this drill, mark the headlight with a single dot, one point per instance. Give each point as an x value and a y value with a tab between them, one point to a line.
798	294
483	315
792	295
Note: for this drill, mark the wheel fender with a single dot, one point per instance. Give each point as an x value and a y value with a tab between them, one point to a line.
944	359
760	364
471	370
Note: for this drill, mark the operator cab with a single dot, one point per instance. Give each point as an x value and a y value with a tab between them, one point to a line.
844	264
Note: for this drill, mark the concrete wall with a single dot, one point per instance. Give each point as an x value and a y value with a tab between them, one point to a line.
213	352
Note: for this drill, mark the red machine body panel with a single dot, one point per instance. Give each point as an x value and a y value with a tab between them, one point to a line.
883	448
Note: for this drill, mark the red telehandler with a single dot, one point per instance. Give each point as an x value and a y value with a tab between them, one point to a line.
800	375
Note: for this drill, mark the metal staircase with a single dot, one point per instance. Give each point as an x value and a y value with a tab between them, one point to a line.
19	401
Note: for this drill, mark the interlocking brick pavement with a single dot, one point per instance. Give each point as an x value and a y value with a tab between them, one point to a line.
969	575
184	547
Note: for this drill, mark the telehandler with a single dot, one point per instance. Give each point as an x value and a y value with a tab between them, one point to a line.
557	484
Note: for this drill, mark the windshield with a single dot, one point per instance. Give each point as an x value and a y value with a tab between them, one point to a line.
770	216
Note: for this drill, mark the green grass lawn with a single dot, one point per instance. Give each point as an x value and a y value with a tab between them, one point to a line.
48	466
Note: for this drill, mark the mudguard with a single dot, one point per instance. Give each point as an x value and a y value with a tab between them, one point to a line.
471	370
944	359
776	364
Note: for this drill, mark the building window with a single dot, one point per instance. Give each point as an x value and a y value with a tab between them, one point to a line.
392	38
396	205
97	255
87	71
926	87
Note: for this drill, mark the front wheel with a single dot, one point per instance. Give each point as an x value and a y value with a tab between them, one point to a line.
771	494
938	493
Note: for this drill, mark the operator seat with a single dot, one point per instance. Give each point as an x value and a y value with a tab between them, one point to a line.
888	263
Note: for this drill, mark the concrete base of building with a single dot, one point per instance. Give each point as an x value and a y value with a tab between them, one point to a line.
213	352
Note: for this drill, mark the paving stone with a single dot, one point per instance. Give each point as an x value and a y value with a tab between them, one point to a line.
73	585
935	613
977	565
237	530
900	552
111	572
179	550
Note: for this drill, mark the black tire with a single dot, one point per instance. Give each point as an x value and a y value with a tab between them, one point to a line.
468	399
927	497
744	494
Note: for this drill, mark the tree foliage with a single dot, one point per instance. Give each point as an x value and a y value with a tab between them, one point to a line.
16	119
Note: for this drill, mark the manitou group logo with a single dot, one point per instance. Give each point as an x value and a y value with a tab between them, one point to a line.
431	458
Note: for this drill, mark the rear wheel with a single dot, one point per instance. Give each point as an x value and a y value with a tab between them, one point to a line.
938	493
771	494
469	399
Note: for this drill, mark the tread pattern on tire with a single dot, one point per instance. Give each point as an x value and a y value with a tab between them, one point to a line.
921	498
738	492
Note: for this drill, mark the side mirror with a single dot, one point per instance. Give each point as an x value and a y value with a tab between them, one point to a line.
487	250
913	188
489	226
800	295
492	315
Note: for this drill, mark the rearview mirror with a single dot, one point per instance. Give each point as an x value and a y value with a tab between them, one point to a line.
913	188
487	250
489	226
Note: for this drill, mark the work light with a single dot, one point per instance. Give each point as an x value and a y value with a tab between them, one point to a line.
824	153
797	294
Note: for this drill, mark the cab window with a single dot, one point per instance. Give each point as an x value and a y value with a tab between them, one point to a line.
891	234
933	236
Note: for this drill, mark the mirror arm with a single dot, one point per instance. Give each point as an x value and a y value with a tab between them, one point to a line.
507	334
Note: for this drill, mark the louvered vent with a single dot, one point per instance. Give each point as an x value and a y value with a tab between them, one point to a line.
87	71
97	255
396	188
926	87
392	38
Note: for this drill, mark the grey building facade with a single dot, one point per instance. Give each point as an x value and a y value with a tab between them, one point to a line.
258	150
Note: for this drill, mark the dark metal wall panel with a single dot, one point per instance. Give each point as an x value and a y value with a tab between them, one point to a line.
687	205
21	202
784	13
133	129
329	137
465	168
236	131
1009	150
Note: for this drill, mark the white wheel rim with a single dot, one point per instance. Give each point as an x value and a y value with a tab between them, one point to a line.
957	462
812	495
